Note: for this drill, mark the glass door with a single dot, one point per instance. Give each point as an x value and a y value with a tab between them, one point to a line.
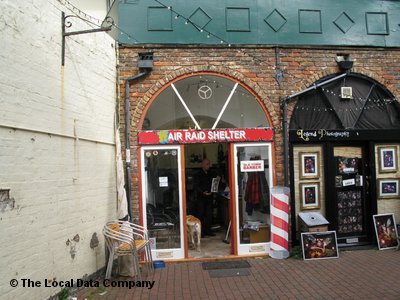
350	194
253	180
162	200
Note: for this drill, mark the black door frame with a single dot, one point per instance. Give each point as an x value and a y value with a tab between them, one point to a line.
331	192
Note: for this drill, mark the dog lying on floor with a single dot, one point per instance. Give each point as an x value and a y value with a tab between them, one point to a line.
194	232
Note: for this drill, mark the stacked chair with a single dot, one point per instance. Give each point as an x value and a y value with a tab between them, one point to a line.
125	238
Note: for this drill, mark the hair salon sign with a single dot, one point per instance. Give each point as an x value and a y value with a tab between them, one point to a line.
189	136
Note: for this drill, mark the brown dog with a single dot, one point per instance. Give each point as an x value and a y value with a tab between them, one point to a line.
194	231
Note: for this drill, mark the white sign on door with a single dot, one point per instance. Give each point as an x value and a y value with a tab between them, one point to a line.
252	166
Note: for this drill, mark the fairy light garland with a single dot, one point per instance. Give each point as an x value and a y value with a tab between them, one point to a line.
188	21
92	20
360	98
379	103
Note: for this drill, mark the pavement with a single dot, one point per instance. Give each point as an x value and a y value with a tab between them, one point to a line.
355	274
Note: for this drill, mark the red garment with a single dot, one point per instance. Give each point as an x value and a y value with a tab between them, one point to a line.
252	193
256	193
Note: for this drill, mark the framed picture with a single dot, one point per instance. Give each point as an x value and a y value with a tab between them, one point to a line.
347	165
386	231
310	195
388	188
319	245
214	184
309	165
387	159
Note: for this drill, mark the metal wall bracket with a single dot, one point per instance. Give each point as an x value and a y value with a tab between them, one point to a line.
67	24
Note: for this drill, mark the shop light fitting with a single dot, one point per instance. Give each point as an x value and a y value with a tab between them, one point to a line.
346	92
344	61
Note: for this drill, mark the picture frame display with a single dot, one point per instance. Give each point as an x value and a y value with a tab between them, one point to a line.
347	165
310	195
319	245
309	165
350	212
386	231
388	188
387	159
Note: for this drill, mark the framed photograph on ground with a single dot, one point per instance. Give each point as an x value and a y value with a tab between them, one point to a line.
309	165
388	188
387	159
386	231
310	195
319	245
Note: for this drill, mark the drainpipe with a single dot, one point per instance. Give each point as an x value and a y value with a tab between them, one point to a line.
285	141
127	139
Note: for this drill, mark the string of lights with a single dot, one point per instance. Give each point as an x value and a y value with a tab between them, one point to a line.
385	100
375	104
179	15
98	23
92	20
326	109
84	16
188	21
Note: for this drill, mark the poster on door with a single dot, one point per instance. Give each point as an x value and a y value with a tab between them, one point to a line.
350	212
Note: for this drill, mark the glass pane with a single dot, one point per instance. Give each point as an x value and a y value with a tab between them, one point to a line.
244	111
254	200
162	197
350	195
205	96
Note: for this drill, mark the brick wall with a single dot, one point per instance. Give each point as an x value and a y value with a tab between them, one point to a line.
255	67
64	188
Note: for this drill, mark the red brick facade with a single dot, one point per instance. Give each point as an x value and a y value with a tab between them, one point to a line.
254	67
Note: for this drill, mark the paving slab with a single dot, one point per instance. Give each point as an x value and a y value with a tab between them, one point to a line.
359	274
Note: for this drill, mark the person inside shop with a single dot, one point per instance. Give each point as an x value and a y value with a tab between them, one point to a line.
204	196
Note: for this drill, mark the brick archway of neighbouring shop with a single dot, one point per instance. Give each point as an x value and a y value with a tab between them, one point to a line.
310	80
268	107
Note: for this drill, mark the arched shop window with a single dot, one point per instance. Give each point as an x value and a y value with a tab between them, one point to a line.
205	102
362	104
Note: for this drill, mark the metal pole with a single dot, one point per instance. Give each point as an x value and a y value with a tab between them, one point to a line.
285	144
127	140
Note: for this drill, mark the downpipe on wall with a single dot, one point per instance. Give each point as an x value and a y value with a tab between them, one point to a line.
128	186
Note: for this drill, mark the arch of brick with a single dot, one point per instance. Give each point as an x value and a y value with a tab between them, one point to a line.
153	92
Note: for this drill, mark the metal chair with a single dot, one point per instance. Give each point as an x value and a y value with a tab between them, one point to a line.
125	238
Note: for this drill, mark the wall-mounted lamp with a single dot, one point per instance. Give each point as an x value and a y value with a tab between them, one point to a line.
344	61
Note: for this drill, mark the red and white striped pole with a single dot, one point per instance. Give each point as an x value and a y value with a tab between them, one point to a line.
279	246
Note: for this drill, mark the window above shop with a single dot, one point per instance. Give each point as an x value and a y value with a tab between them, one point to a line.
205	102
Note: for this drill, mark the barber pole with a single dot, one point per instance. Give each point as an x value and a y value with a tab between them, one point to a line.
279	247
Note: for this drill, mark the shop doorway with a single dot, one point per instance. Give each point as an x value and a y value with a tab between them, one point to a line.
217	153
162	208
349	182
253	179
193	117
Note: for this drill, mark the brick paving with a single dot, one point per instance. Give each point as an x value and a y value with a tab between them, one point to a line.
360	274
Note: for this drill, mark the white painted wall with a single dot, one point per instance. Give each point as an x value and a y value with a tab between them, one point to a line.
62	186
95	8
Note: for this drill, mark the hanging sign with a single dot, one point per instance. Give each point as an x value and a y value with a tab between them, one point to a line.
191	136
